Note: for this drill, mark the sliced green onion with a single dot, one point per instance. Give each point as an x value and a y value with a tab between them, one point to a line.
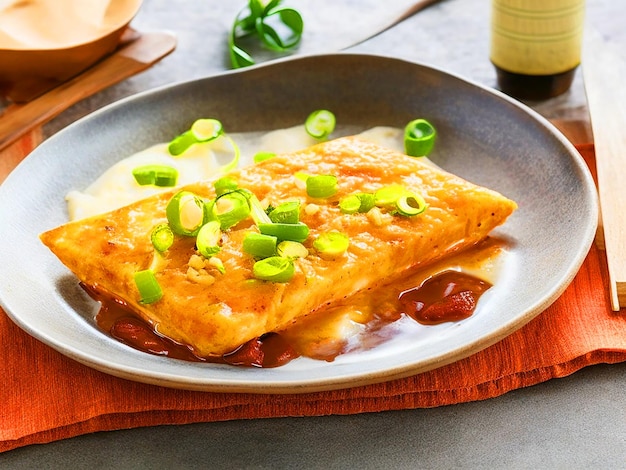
231	208
419	138
388	195
186	213
294	232
350	204
202	130
259	245
321	186
279	28
148	286
411	204
208	239
274	269
320	124
331	244
205	130
286	213
158	175
256	210
181	143
272	30
262	156
162	237
291	249
225	185
358	202
368	201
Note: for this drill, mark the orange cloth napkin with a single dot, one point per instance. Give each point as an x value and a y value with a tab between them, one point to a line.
46	396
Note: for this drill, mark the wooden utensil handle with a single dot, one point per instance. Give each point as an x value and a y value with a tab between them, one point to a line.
137	56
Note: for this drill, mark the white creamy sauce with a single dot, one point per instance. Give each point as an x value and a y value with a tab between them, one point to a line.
117	187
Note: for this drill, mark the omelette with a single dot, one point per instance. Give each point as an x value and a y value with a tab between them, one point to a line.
215	300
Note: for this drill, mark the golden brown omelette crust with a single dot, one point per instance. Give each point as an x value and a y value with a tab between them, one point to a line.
106	250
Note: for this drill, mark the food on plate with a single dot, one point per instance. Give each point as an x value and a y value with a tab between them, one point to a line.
279	242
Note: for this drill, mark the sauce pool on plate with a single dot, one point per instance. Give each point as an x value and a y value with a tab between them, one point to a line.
443	293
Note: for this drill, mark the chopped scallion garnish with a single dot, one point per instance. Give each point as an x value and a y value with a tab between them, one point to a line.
162	237
225	185
208	239
274	269
186	213
207	129
286	213
158	175
231	208
291	249
331	244
350	204
410	204
148	286
321	186
358	202
294	232
181	143
202	130
320	124
419	138
388	195
259	245
368	201
279	28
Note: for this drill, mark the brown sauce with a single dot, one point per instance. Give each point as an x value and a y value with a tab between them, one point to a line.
443	295
116	318
448	296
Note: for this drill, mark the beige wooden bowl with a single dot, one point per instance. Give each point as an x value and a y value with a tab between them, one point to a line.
45	42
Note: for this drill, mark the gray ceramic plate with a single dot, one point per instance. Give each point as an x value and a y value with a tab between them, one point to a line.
484	137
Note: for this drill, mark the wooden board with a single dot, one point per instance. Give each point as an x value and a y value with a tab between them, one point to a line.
604	70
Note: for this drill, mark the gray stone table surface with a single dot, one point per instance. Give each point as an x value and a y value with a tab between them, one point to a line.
575	422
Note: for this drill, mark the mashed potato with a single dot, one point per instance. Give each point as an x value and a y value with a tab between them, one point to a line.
117	187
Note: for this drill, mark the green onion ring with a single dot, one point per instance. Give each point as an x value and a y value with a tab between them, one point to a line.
206	129
208	239
419	138
388	195
162	237
321	186
291	249
230	208
411	204
274	269
320	124
331	244
286	213
350	204
186	213
224	185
